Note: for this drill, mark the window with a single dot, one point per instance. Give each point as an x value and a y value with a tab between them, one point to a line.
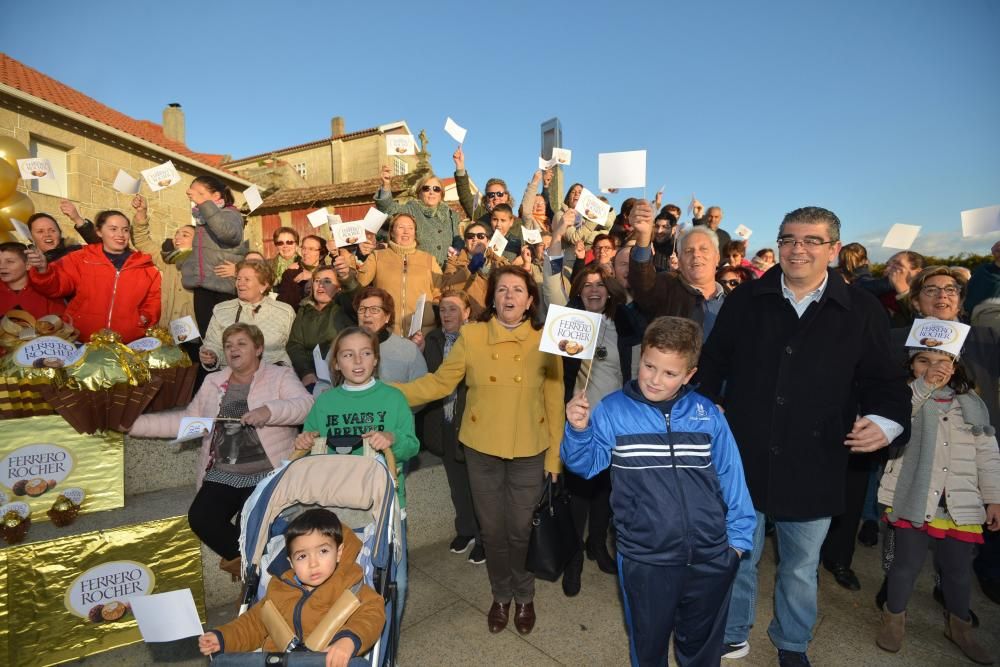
399	167
56	156
300	169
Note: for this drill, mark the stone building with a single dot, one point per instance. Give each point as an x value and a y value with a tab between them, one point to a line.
88	142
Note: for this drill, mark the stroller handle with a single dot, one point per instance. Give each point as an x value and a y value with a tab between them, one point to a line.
319	447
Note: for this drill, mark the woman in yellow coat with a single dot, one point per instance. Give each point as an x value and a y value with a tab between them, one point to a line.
511	429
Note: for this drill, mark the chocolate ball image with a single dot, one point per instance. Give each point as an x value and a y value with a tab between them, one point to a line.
95	614
18	487
52	484
36	487
113	611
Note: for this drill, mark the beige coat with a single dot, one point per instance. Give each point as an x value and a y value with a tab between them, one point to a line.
176	300
405	276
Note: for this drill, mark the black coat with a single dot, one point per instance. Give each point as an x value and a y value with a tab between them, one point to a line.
438	436
793	388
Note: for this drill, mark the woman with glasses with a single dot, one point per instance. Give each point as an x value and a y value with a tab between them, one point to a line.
469	270
436	223
595	290
296	282
404	272
320	317
400	360
286	247
731	277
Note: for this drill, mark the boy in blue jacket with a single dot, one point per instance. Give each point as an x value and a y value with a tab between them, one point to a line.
681	506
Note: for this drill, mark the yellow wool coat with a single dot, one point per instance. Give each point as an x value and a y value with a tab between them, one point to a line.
514	407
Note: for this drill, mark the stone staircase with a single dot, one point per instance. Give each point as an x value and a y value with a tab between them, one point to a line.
160	483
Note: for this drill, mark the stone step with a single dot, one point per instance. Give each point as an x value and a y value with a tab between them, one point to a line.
152	464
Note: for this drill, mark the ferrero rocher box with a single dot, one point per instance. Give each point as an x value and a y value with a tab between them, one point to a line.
41	456
69	598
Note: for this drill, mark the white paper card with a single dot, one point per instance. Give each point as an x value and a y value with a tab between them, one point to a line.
253	198
322	367
418	315
374	219
126	184
35	167
544	164
621	170
348	233
562	156
317	218
161	176
743	232
531	236
21	233
691	204
184	329
939	335
570	332
498	243
193	427
592	208
981	221
400	144
456	131
166	617
901	237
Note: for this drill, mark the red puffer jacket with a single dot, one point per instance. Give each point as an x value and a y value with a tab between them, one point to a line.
126	301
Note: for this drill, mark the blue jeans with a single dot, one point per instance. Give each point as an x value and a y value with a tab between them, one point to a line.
799	543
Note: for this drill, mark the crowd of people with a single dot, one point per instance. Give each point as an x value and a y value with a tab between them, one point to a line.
728	397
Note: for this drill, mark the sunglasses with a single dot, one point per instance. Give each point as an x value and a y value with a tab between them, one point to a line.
732	283
284	243
476	235
431	188
495	195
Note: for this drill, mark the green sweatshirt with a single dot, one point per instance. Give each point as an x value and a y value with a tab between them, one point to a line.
343	416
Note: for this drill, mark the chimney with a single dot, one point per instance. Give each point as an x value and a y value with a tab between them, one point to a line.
337	126
173	122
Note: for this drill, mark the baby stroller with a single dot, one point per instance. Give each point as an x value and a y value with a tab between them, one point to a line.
362	492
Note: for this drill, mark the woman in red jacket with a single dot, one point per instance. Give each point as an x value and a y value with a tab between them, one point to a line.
108	284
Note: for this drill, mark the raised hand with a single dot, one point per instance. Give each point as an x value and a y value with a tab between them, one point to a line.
578	411
641	220
386	176
459	157
69	209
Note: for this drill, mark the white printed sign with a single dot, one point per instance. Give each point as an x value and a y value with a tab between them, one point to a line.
48	352
184	329
544	164
374	219
456	131
145	344
400	144
101	594
161	176
569	332
531	236
318	218
498	243
981	221
616	171
193	427
166	617
743	232
938	335
21	233
252	197
562	156
322	367
592	208
126	184
35	167
418	315
901	237
348	233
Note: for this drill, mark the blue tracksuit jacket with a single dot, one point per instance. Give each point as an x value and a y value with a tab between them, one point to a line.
677	488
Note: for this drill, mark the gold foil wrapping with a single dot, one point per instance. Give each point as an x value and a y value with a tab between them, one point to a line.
106	363
167	355
49	449
68	594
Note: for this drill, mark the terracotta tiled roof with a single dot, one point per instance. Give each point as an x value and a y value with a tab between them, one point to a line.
18	75
310	144
319	195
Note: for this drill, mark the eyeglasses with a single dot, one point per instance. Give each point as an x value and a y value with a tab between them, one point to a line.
284	243
374	310
604	248
431	188
495	195
810	242
476	235
732	283
935	291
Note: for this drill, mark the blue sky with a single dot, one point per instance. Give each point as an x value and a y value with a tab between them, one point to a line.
884	111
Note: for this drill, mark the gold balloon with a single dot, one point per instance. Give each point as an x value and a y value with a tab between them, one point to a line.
12	150
8	180
18	206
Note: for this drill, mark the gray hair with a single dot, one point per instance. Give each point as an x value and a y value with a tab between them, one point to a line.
698	229
813	215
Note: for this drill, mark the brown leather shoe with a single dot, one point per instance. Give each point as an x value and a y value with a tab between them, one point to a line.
234	567
524	617
498	616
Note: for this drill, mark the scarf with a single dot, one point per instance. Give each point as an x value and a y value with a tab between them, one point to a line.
910	499
403	250
449	402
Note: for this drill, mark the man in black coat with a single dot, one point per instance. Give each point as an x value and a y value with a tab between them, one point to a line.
794	358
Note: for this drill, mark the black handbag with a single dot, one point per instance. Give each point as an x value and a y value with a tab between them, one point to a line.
553	534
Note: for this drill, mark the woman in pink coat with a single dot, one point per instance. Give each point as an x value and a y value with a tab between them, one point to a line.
258	408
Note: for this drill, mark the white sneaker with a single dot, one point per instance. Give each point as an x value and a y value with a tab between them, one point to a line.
737	650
